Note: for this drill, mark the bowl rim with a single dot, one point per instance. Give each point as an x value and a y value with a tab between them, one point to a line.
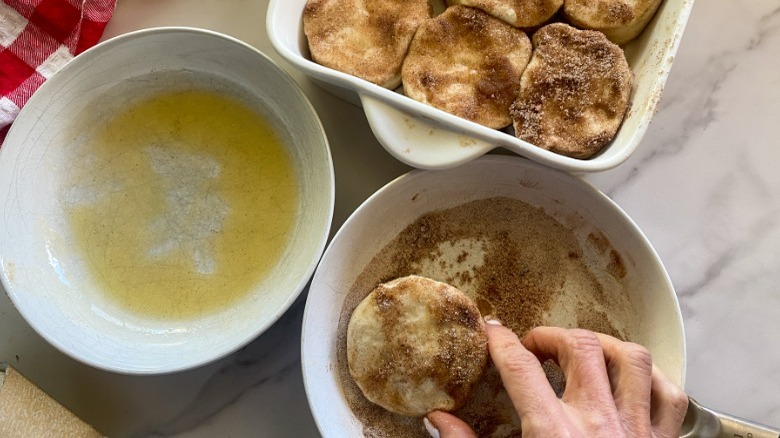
311	375
12	148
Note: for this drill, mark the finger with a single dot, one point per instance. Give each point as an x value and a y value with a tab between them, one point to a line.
523	377
580	356
668	406
443	425
629	367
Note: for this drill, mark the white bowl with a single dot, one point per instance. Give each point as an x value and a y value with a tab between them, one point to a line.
568	199
43	274
425	137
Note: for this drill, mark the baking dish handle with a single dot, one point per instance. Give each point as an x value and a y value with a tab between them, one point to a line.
419	141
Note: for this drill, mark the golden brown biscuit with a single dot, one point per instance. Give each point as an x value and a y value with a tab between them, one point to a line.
364	38
415	345
467	63
620	20
574	92
519	13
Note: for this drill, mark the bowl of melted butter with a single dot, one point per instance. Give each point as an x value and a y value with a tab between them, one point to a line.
166	197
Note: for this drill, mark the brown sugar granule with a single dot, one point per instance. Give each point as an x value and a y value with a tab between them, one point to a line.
515	261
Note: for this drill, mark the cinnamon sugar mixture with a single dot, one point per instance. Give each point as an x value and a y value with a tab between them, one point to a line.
519	265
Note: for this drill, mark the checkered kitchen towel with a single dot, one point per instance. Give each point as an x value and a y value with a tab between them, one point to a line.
38	37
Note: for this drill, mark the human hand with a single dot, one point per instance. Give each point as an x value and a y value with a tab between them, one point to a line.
612	387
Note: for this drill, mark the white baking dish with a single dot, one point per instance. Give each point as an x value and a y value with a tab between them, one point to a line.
425	137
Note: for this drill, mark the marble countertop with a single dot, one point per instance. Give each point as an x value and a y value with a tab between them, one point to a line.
703	186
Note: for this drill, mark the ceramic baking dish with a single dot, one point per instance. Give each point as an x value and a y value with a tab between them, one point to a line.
425	137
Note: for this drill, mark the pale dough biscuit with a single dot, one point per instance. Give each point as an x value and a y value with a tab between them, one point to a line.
620	20
519	13
364	38
415	345
574	92
467	63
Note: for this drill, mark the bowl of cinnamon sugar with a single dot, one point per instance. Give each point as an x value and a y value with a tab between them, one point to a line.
571	84
528	244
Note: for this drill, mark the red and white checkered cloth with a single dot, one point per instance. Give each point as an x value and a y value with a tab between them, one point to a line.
38	37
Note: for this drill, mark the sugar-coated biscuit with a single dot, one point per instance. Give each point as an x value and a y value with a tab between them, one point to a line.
467	63
519	13
620	20
364	38
574	92
415	345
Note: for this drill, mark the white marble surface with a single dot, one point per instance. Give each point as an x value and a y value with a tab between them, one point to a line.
703	185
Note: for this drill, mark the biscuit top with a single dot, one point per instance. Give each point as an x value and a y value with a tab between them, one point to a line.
416	345
363	38
519	13
574	92
608	13
467	63
580	54
453	359
620	20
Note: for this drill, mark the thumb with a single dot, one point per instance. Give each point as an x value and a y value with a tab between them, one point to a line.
443	425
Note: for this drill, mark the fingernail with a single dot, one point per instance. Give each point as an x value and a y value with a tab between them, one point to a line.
432	430
492	321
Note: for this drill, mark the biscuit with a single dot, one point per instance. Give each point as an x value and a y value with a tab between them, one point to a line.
620	20
467	63
519	13
415	345
574	92
363	38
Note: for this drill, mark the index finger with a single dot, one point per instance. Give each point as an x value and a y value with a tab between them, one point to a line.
523	376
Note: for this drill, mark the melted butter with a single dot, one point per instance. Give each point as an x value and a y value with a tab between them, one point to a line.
182	203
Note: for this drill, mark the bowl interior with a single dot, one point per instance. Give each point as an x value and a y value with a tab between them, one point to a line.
43	274
569	200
